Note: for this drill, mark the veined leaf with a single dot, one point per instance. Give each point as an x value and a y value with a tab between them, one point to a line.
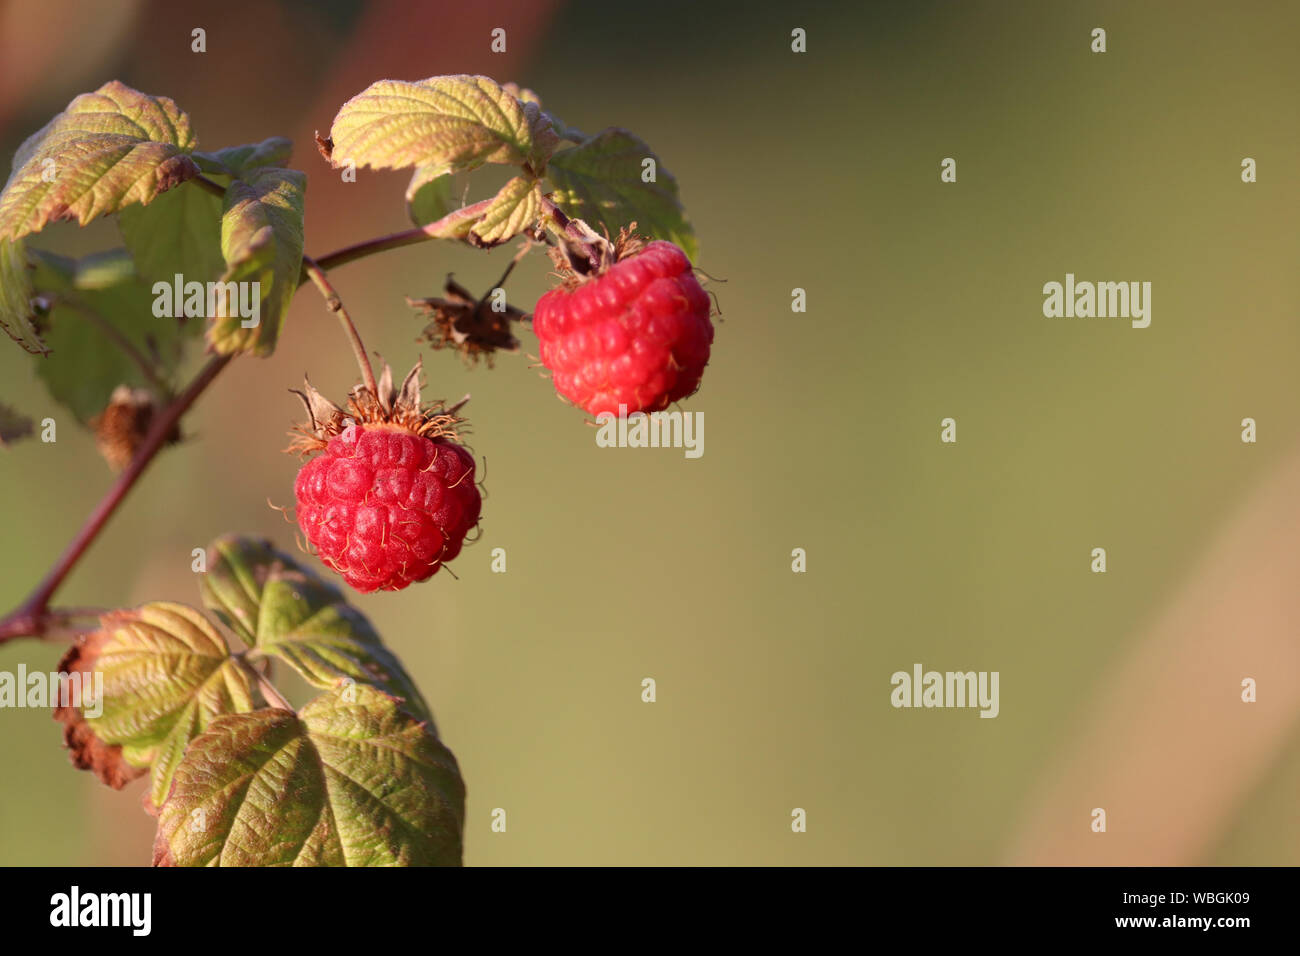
351	780
283	610
179	233
514	208
238	161
107	150
16	293
447	123
261	240
166	674
601	181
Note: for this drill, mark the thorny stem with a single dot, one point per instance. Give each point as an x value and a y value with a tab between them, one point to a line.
34	617
332	301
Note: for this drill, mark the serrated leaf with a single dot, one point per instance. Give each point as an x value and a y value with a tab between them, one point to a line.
283	610
85	363
177	233
448	123
107	150
14	426
261	239
167	673
16	294
600	181
237	161
513	209
352	780
428	195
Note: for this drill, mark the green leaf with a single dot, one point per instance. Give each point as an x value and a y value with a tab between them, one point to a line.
177	233
600	181
350	781
428	196
514	208
167	673
107	150
93	303
261	239
16	294
448	123
283	610
237	161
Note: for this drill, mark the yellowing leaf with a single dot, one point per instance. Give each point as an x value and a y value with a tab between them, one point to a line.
108	149
166	674
447	123
514	208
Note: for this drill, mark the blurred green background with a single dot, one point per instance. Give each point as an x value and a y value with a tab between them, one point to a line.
818	171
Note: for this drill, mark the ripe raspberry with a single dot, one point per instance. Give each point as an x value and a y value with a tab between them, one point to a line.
637	333
391	496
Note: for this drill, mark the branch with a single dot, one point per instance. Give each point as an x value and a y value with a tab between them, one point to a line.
33	616
332	302
434	230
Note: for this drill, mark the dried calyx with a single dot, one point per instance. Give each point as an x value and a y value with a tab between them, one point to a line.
580	254
121	428
469	325
394	407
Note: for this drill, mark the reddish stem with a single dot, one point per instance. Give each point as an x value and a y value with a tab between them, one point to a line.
31	618
396	240
34	616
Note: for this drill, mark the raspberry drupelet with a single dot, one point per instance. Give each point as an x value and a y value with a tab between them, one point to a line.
391	495
633	337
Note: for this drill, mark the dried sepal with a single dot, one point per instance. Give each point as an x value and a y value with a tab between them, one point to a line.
574	259
469	325
121	428
399	408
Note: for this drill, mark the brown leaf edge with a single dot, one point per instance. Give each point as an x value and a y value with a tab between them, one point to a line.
85	749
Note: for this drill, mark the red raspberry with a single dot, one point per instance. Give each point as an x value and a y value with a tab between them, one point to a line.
385	508
391	495
637	335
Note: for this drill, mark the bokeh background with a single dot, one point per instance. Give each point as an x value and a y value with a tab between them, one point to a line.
818	171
